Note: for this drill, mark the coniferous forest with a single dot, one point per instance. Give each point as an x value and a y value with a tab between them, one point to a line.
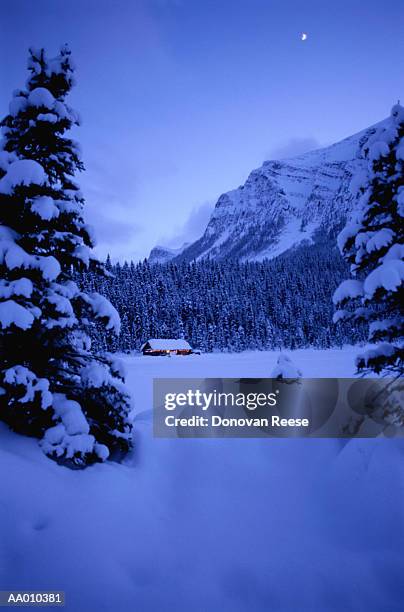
227	306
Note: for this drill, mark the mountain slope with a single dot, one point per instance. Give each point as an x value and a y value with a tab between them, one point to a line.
162	254
283	204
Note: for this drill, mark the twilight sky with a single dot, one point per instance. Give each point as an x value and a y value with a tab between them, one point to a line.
181	99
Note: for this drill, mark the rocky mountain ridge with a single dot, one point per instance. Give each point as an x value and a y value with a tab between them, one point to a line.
283	204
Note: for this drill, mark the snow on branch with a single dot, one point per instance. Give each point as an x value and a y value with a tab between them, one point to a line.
20	376
12	313
22	172
388	276
348	289
70	437
103	309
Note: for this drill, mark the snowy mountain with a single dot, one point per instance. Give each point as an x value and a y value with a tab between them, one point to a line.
161	254
283	204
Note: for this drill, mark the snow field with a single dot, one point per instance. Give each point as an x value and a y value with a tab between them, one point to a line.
237	525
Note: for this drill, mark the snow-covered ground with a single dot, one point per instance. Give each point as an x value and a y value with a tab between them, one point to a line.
332	363
215	524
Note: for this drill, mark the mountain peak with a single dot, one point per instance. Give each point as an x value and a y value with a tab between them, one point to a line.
162	254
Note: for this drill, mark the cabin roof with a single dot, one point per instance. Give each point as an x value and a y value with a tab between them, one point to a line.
167	344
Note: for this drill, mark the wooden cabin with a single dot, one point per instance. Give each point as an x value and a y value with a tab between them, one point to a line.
166	346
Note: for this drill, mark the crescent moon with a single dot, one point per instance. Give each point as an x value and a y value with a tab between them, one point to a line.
304	36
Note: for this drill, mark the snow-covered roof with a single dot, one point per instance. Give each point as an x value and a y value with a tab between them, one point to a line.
167	344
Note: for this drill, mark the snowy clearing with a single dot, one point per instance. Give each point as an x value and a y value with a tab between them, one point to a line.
217	524
332	363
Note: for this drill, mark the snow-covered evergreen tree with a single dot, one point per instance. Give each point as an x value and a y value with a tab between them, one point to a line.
285	369
51	384
373	243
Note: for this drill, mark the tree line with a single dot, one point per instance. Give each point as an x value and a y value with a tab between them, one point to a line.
227	306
